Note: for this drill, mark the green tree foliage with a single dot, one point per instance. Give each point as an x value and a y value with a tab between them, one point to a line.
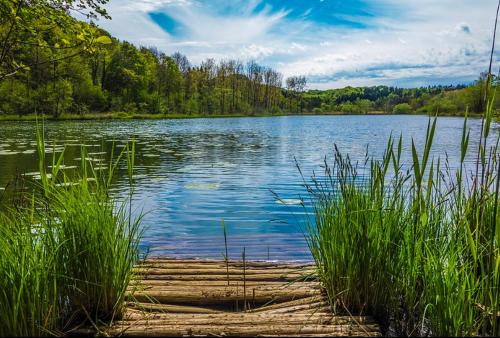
45	25
51	63
61	65
447	100
402	108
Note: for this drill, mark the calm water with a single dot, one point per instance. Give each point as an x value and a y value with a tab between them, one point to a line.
191	174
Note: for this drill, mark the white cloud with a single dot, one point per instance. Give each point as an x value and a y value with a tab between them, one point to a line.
130	22
410	47
210	27
445	39
256	52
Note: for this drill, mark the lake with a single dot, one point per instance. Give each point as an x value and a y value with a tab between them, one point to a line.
192	173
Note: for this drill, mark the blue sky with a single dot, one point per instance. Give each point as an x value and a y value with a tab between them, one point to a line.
334	43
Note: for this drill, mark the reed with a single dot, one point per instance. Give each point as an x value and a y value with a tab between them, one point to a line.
417	248
67	252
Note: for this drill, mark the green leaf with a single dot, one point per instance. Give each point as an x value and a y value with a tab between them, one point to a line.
428	143
104	40
430	181
471	241
416	166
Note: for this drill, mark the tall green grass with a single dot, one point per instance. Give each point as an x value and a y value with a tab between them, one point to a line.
66	251
419	248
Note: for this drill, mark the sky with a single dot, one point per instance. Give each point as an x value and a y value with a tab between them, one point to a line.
334	43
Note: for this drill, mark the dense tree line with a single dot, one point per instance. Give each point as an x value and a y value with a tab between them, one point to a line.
51	63
424	100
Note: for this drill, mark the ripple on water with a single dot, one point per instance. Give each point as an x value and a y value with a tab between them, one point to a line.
225	168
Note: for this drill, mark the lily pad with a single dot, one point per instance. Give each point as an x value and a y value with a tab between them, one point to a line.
289	201
202	186
54	150
66	184
34	173
39	177
63	167
89	159
139	176
9	152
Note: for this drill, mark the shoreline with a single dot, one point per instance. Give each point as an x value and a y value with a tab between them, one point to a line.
139	116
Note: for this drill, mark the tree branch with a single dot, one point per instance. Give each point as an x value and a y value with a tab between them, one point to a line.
18	69
11	28
49	46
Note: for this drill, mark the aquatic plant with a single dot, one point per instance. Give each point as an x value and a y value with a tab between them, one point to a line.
66	251
420	248
414	248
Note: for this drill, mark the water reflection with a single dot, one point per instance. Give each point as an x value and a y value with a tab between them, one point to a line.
191	174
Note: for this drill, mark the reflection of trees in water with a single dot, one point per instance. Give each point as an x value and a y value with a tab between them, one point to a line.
153	153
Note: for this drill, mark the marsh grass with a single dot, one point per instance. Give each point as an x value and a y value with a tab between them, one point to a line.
66	251
418	248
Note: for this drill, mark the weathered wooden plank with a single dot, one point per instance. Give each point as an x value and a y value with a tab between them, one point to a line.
309	309
161	319
218	271
221	295
208	283
222	277
318	307
289	304
246	330
252	286
166	308
231	288
168	298
219	264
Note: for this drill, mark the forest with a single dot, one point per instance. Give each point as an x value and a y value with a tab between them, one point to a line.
54	64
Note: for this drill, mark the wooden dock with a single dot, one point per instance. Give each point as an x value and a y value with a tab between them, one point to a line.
173	298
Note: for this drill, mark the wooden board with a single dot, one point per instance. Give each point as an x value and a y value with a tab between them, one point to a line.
170	298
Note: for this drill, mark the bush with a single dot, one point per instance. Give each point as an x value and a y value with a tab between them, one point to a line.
14	98
402	108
